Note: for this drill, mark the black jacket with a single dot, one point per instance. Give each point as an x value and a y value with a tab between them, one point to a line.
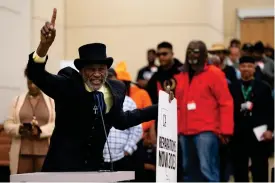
262	111
160	77
78	138
230	73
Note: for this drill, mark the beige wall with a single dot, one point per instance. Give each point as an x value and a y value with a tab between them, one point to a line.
230	14
129	28
15	46
41	12
21	21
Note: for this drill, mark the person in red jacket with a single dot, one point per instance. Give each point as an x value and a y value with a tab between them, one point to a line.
205	115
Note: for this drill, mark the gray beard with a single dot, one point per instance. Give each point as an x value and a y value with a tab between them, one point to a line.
91	86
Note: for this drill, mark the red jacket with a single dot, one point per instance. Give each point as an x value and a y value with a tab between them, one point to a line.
209	93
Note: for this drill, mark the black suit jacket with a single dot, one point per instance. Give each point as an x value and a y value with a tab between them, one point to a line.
230	73
262	111
78	138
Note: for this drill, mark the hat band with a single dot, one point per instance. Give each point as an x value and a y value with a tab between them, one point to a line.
92	58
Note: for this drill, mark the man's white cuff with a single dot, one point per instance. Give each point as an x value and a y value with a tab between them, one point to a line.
38	59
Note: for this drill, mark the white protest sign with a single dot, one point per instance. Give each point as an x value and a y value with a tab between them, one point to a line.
167	140
67	63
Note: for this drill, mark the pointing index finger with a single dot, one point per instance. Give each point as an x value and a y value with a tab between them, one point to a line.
54	17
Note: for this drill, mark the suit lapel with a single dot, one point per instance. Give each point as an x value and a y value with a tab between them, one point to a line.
113	92
239	90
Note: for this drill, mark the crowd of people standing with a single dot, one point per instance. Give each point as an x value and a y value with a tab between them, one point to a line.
223	95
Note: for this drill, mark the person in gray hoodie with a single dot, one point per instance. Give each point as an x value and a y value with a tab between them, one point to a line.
265	63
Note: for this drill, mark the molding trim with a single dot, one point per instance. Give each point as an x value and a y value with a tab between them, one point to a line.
255	13
164	24
10	10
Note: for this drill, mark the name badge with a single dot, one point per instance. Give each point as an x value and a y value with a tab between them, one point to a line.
154	69
191	106
247	106
261	65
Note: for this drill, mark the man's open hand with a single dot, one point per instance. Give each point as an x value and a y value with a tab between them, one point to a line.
47	35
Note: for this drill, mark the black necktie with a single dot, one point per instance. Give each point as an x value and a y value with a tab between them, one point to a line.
99	99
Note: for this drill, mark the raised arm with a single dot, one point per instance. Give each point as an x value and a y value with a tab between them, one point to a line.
123	120
128	119
52	85
132	118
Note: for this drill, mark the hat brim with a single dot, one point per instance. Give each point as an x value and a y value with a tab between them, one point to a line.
218	50
81	63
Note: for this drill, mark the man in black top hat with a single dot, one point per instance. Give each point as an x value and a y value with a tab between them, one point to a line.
253	107
84	100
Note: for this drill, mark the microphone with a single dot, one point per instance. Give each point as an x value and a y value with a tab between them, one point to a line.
104	129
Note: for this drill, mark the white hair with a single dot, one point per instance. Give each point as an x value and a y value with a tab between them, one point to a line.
214	57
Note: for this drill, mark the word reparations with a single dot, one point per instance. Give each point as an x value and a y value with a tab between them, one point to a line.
167	153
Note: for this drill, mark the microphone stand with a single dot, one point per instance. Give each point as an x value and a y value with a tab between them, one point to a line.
105	132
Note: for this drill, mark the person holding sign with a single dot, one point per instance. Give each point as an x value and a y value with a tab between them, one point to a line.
87	105
254	123
205	114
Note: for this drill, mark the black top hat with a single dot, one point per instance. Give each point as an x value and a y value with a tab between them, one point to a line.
94	53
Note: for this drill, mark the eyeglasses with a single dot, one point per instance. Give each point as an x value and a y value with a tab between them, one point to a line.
162	54
194	51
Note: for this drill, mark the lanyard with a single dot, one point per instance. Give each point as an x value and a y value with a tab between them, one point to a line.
246	92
